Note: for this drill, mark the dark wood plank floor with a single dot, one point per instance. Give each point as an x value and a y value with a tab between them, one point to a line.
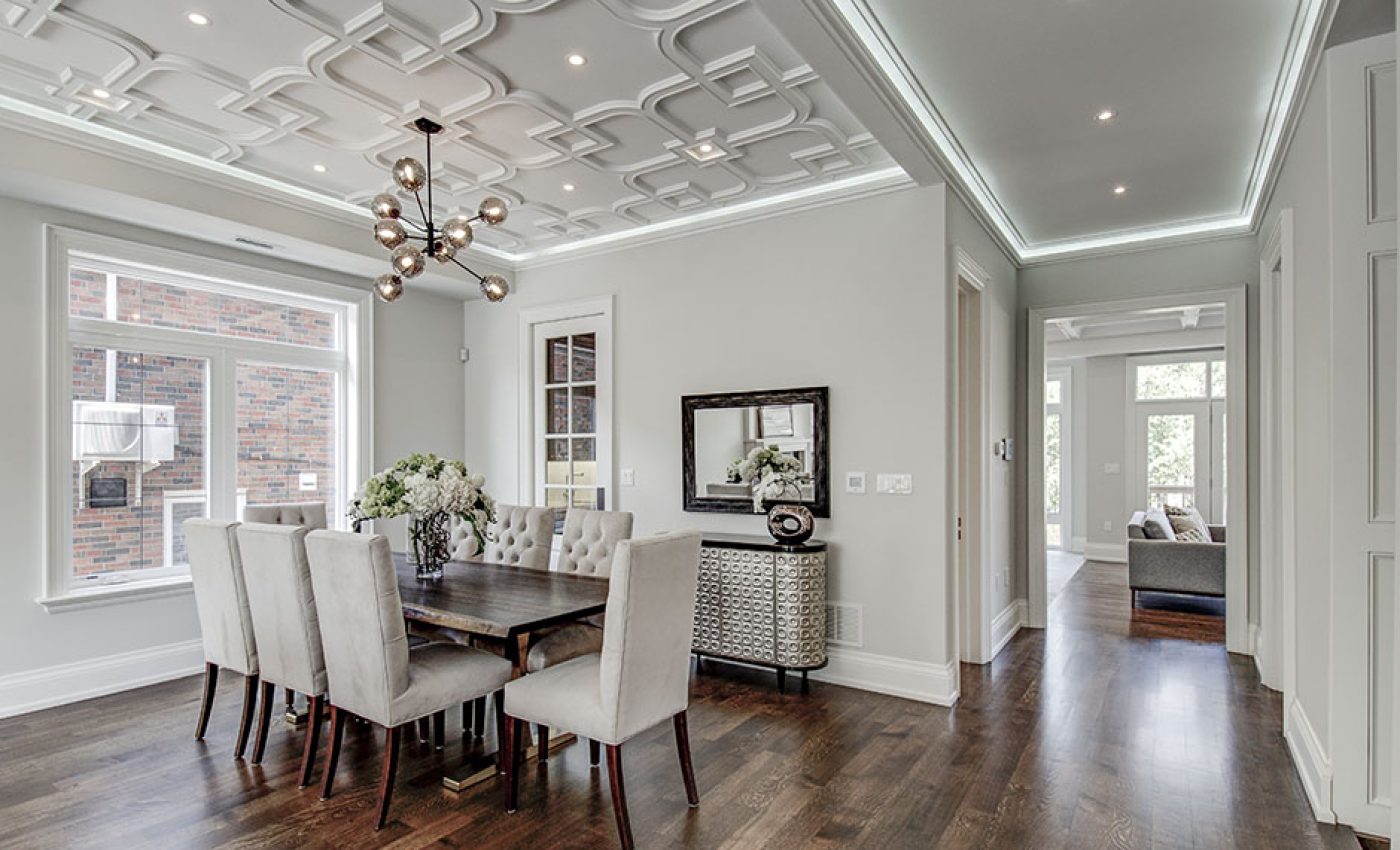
1103	731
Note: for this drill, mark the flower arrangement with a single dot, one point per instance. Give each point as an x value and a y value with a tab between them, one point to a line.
434	491
772	473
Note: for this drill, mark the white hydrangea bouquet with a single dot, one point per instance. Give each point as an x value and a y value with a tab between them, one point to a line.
433	492
772	473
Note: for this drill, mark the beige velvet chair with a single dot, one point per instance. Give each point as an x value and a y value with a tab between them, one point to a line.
520	537
286	627
309	514
641	677
371	672
221	600
587	546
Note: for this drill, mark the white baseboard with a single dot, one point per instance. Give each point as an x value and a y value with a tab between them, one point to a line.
1006	624
1114	553
884	674
33	690
1314	768
1077	544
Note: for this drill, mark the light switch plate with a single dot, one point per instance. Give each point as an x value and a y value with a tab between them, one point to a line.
901	484
629	477
1112	469
307	481
855	482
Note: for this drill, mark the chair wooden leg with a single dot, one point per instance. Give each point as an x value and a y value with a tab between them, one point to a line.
425	732
211	685
439	730
250	701
619	796
391	765
291	701
510	761
313	737
594	751
683	748
543	743
479	721
500	701
467	711
333	750
269	695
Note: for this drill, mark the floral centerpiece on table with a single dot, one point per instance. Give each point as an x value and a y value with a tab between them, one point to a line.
771	473
433	492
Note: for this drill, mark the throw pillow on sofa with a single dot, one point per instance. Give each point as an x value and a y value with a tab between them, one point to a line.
1184	520
1157	526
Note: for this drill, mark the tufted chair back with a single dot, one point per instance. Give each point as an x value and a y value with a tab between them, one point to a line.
309	514
361	618
590	538
282	606
521	537
220	594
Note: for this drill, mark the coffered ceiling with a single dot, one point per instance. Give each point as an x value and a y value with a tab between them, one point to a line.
313	97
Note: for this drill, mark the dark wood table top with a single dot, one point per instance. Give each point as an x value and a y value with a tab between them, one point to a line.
497	600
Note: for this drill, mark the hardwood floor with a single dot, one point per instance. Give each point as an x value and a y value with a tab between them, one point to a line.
1101	732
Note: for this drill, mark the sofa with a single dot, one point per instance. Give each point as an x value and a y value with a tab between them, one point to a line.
1172	566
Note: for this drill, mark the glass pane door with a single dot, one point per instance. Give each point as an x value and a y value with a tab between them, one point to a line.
569	398
1174	454
1057	526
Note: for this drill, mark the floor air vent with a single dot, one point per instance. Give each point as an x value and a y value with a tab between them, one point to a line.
843	624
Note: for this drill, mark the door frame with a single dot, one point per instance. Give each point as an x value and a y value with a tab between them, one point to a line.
971	463
1275	641
1237	378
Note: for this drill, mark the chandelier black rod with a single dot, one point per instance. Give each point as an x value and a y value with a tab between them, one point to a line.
468	270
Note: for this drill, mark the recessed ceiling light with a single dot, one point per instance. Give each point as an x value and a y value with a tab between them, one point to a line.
578	60
1106	115
198	19
319	168
1119	189
704	151
568	187
101	94
706	148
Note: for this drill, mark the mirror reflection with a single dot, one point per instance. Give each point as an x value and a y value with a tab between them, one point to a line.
770	447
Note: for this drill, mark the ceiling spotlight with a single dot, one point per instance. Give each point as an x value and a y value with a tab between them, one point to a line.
704	151
706	148
198	19
578	60
1119	189
568	187
101	94
1106	115
319	168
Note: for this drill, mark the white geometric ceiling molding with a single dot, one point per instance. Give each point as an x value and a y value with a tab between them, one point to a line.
589	116
1010	119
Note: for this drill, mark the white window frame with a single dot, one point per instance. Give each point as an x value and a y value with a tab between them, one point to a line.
1064	409
351	360
530	486
1205	406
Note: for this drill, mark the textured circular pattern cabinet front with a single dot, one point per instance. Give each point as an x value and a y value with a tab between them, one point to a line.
762	605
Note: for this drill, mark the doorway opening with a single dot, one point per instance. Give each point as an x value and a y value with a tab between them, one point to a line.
975	599
1135	422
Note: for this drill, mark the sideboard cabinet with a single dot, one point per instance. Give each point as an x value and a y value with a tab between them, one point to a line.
761	602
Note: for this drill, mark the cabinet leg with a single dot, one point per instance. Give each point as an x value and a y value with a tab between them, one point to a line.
804	682
782	680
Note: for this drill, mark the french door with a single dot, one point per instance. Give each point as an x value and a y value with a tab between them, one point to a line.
1181	456
572	426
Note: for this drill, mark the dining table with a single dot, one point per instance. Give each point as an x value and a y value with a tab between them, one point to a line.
500	607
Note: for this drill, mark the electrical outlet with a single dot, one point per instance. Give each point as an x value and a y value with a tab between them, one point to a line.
307	481
901	484
629	478
1108	525
1112	469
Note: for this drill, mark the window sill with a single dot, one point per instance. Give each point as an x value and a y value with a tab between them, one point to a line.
116	594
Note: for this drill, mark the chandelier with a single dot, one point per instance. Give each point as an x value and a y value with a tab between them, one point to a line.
398	234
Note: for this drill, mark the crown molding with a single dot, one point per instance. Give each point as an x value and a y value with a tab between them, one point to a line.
853	28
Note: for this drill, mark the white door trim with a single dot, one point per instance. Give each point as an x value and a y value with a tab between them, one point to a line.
972	609
1237	378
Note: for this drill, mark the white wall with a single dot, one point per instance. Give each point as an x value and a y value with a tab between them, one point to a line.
853	297
418	405
1079	453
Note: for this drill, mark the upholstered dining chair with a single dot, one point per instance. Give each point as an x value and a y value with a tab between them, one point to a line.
312	515
586	548
221	601
370	670
641	677
285	626
520	537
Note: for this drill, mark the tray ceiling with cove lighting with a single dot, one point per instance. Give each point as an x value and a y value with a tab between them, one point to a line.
594	119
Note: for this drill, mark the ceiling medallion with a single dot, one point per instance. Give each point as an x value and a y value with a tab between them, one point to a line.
440	243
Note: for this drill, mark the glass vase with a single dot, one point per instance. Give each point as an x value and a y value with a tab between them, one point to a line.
430	536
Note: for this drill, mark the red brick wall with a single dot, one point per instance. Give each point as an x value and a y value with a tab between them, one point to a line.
286	417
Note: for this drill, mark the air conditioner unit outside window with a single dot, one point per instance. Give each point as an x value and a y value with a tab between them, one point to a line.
121	431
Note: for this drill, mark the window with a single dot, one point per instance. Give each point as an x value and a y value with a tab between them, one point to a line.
1188	379
186	396
1180	458
570	395
1057	427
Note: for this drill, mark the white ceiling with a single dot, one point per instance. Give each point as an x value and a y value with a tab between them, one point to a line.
1136	331
1001	95
275	87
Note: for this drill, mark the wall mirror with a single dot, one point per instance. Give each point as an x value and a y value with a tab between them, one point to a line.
787	429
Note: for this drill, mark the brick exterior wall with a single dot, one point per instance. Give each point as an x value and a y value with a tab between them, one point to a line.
286	417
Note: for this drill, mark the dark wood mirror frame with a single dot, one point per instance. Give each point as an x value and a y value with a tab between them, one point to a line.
821	475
